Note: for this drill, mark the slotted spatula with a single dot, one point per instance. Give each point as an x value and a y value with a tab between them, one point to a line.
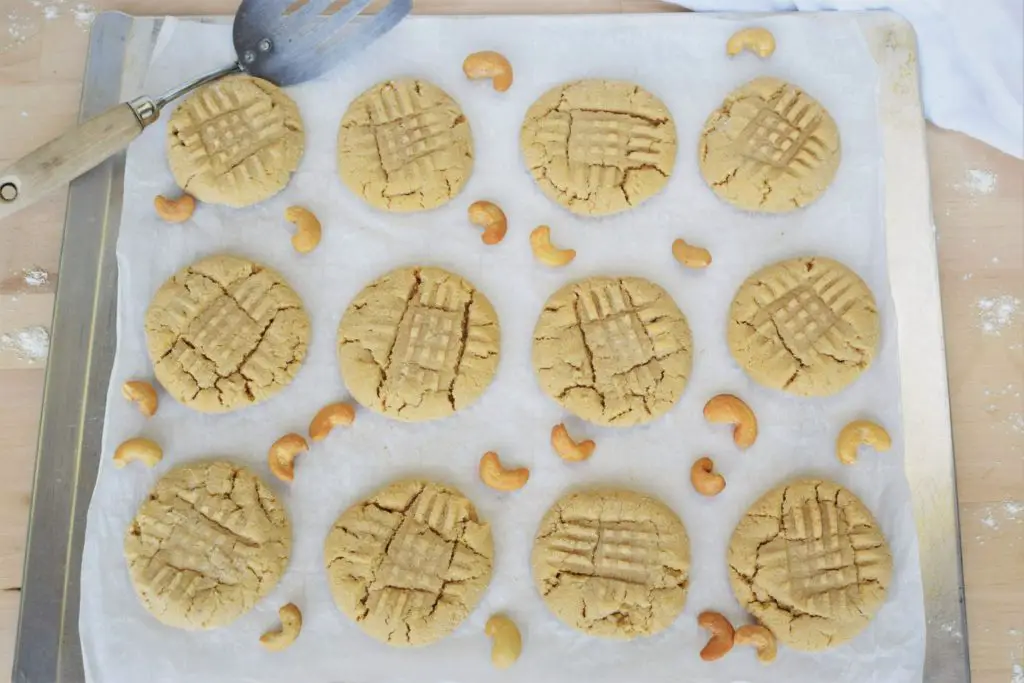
285	43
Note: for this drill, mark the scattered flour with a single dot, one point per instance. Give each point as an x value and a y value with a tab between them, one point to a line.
30	343
990	521
979	182
1016	422
20	28
1017	674
996	313
968	276
35	276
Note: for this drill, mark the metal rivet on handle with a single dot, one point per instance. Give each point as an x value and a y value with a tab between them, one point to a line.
265	45
249	57
8	192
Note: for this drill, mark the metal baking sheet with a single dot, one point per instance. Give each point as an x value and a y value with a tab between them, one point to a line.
83	346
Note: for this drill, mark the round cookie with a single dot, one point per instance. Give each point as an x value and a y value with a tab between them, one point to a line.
225	333
405	145
209	541
810	563
418	344
613	351
235	141
612	563
770	147
807	326
598	147
410	563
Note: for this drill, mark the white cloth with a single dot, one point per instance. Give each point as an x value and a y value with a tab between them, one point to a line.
971	53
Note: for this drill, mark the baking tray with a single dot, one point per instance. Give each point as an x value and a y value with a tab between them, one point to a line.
82	352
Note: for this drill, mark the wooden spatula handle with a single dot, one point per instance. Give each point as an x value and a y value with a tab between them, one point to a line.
63	159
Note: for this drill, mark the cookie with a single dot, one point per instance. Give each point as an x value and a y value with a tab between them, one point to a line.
807	326
810	563
209	541
612	563
418	344
225	333
235	141
613	351
410	563
598	147
770	147
405	145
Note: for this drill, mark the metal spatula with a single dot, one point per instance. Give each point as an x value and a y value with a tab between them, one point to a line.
285	43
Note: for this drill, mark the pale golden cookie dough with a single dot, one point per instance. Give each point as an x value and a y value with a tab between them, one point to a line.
405	145
807	326
810	563
410	563
770	147
612	563
418	344
236	141
614	351
225	333
209	541
598	147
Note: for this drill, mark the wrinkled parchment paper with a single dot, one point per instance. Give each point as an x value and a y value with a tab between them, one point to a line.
679	58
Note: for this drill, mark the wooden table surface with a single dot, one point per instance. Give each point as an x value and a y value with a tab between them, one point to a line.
978	199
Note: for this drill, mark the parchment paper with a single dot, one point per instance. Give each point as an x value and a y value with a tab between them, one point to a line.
681	59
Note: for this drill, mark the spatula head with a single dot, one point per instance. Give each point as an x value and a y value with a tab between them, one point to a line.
292	42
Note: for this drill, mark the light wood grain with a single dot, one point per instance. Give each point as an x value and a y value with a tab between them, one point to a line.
981	251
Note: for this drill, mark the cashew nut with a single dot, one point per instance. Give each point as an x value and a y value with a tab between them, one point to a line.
691	256
143	394
497	477
144	450
758	40
282	455
705	480
291	624
175	210
860	432
547	253
507	643
729	408
491	218
759	637
567	449
491	65
721	635
329	417
307	228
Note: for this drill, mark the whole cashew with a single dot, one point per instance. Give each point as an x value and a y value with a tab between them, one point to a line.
282	454
507	642
705	480
491	65
491	218
497	477
721	635
143	450
175	210
860	432
691	256
728	408
758	40
547	253
307	228
329	417
143	394
759	637
567	449
291	625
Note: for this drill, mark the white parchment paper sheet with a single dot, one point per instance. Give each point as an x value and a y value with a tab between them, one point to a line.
679	58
